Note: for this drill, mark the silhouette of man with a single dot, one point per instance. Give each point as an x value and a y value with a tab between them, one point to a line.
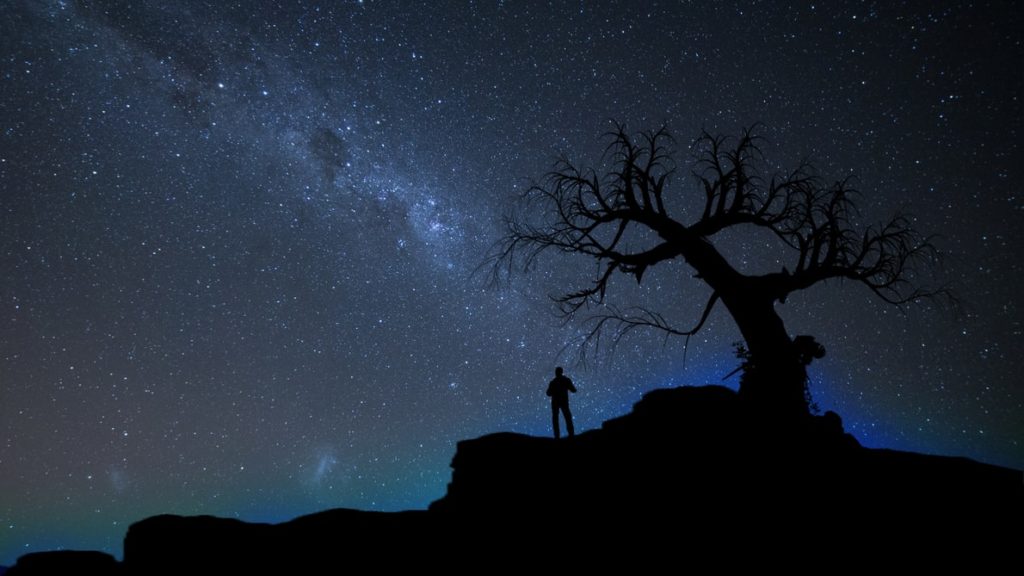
559	389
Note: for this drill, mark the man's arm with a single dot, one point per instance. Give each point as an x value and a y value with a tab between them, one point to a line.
571	387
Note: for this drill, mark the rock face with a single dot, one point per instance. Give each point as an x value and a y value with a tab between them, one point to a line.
66	562
692	470
701	452
308	544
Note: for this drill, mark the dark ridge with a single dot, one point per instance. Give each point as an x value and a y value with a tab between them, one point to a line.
708	441
65	562
694	468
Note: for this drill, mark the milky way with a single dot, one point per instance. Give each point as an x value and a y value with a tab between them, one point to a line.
240	243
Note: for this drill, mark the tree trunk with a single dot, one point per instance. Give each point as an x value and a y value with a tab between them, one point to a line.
773	378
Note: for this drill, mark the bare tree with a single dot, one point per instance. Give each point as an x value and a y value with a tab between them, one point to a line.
621	220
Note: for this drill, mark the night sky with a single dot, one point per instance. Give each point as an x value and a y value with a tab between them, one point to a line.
238	241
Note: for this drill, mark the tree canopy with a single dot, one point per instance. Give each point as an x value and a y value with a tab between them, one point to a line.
623	218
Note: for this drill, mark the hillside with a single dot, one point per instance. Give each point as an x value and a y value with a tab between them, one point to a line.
691	464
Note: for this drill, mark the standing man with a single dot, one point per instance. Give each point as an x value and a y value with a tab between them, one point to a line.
559	389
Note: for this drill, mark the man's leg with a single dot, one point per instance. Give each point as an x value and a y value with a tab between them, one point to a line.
568	420
554	419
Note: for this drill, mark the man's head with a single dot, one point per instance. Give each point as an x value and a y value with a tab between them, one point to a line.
558	371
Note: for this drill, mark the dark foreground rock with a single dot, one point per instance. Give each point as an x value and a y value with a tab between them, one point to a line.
65	562
690	471
701	451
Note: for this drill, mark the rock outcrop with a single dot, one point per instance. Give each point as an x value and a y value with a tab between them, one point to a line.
691	469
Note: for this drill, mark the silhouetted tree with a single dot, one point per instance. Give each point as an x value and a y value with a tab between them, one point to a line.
621	219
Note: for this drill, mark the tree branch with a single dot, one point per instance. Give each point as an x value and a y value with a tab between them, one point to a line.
621	220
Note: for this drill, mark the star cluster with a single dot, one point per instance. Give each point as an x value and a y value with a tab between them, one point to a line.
239	242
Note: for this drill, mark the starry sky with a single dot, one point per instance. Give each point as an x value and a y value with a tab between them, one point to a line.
238	241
